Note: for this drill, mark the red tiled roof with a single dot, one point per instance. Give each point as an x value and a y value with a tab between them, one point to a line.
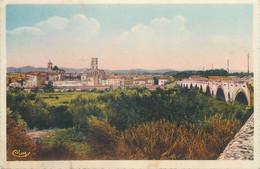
43	74
139	79
164	78
195	76
33	73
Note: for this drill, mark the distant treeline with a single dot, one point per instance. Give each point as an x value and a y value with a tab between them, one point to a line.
207	73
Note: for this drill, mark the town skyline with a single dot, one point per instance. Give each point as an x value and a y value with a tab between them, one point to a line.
177	37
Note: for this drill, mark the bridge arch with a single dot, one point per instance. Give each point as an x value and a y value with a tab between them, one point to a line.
220	95
241	97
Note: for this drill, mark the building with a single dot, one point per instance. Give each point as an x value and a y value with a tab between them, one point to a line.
114	81
15	77
41	79
128	81
35	80
139	82
15	85
163	80
104	81
93	76
31	79
54	73
72	76
149	82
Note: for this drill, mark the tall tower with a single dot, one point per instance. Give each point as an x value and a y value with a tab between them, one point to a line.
94	63
49	66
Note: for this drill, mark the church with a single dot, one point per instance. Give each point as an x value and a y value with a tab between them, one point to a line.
93	76
54	73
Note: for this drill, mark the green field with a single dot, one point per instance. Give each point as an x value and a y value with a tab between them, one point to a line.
64	98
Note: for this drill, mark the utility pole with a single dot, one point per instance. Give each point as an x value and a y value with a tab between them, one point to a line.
212	66
248	63
203	68
228	65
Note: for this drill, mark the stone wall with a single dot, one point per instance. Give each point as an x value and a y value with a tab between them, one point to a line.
242	146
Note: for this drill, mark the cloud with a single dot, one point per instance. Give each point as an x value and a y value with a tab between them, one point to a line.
23	31
159	29
53	24
56	30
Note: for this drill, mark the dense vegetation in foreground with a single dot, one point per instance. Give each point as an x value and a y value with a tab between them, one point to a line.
123	124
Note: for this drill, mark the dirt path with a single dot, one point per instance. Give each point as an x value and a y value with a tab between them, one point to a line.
35	135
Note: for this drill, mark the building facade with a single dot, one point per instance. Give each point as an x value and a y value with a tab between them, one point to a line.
54	73
93	76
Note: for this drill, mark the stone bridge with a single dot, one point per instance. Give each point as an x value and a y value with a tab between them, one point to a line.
240	91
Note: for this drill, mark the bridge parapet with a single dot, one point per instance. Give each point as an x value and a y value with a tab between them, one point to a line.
230	90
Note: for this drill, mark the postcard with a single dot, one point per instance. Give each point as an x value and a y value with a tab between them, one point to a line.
110	84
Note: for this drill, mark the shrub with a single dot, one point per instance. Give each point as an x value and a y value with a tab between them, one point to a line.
17	139
56	152
164	140
105	141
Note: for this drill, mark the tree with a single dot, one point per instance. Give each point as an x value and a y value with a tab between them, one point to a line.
48	88
60	117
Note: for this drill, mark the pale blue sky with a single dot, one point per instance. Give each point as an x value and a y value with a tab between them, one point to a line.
202	18
228	21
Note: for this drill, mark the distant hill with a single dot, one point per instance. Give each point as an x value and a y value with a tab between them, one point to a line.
138	71
27	69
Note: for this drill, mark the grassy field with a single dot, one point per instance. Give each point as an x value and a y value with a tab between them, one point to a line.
64	98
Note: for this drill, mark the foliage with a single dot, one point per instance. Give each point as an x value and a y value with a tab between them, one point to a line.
64	98
35	112
81	109
172	123
68	136
60	117
105	141
160	140
128	107
207	73
18	140
241	74
56	152
48	88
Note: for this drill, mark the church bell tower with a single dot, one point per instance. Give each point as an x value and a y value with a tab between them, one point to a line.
94	63
49	66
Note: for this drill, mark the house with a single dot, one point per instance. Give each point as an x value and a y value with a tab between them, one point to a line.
140	82
41	79
163	80
15	85
104	81
35	80
149	82
114	81
128	81
31	79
